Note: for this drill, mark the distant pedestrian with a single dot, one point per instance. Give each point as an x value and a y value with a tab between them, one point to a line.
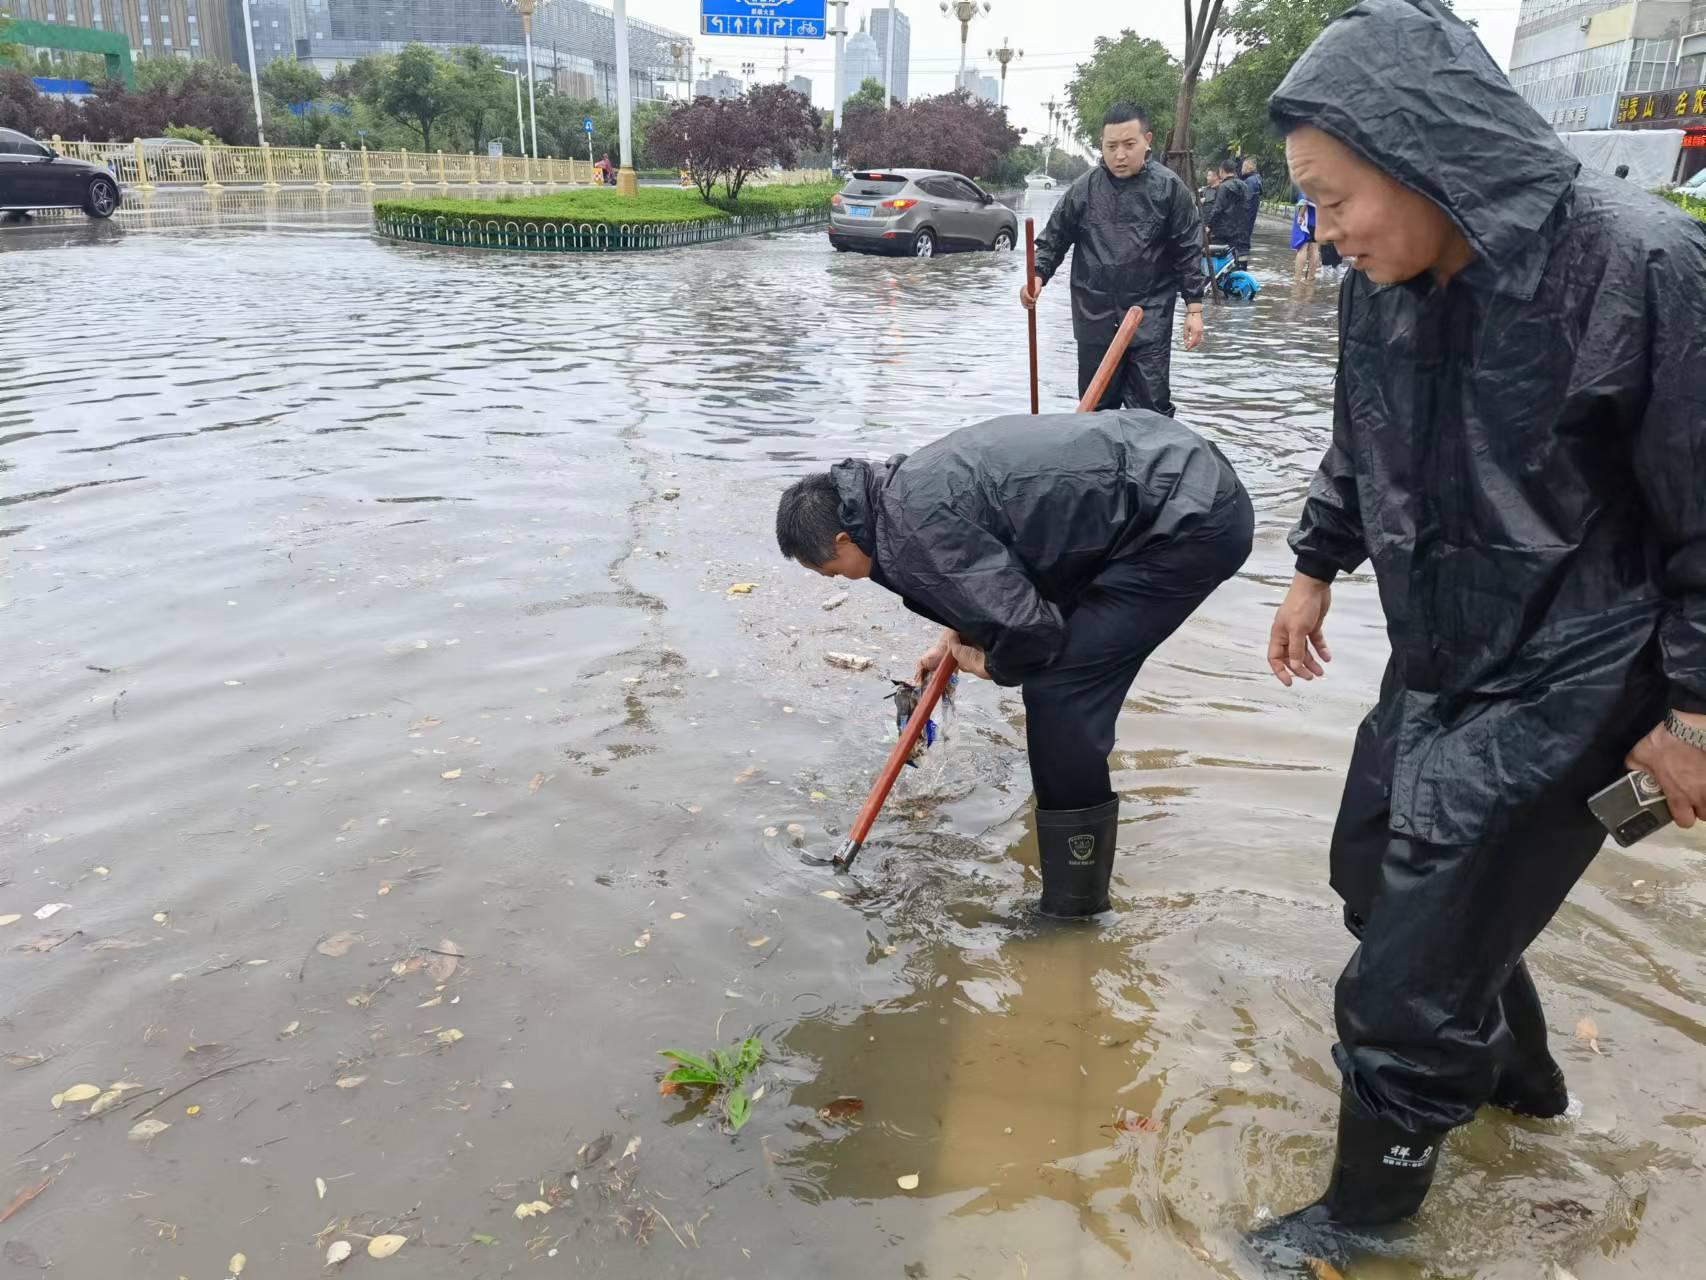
1253	180
1228	214
1308	261
1136	240
1622	171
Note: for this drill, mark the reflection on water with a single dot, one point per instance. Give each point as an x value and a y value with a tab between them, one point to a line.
345	603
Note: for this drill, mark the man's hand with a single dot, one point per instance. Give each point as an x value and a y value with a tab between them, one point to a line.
1029	291
971	660
1297	627
1680	769
934	656
1193	329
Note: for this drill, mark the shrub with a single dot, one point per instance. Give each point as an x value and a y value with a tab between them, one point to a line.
600	206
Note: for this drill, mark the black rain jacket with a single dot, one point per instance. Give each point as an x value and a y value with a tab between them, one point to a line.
1136	241
996	528
1229	218
1522	452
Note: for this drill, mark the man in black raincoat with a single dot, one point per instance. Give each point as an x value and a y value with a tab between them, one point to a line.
1230	215
1519	448
1058	551
1136	240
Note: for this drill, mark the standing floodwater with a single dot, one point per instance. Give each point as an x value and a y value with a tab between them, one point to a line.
362	686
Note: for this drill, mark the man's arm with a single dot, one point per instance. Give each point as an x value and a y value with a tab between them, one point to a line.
1062	230
976	586
1328	539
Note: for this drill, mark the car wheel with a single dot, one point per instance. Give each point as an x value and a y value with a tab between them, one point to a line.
924	244
1003	241
101	199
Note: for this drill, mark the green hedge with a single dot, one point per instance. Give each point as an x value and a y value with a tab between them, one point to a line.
603	207
1691	204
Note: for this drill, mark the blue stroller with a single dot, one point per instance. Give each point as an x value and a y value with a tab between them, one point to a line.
1225	274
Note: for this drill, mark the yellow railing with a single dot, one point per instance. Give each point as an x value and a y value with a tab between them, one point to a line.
144	166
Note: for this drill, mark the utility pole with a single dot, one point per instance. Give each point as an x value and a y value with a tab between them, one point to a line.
1005	54
627	183
888	60
254	77
839	31
965	11
1048	151
785	63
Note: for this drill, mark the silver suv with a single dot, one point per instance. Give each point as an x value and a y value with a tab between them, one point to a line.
919	212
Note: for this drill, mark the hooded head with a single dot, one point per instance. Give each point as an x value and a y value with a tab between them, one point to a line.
1416	150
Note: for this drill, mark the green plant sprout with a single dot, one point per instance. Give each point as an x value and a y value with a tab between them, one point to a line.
723	1072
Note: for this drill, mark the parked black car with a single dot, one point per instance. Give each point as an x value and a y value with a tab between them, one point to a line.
35	176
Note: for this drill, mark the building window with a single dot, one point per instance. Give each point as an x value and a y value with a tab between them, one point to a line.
147	42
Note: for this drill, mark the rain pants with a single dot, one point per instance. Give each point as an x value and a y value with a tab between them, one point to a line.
1521	455
1067	547
1135	242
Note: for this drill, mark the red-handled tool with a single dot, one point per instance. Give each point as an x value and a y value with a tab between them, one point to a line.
1111	361
1031	312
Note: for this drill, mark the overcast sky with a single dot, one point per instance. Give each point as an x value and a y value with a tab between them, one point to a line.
1056	35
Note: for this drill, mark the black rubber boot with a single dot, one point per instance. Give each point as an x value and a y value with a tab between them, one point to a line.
1381	1174
1530	1083
1076	850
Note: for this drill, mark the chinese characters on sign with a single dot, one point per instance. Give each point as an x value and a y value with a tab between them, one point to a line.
1666	104
775	19
1570	115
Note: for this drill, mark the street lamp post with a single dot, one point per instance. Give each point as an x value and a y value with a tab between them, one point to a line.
627	182
520	128
254	74
526	9
679	50
965	11
839	30
1005	54
1048	152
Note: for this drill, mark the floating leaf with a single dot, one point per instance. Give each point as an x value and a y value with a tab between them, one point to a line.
427	1004
450	775
1241	1066
102	871
82	1092
25	1060
678	915
320	1187
644	940
338	1251
828	893
143	1130
291	1028
338	944
449	1036
429	722
11	919
758	1093
907	1182
592	1152
742	588
480	1237
441	965
350	1082
538	780
1588	1030
385	887
1131	1122
106	1101
532	1209
385	1246
24	1197
740	1110
192	1111
160	917
632	1147
237	1263
757	942
841	1109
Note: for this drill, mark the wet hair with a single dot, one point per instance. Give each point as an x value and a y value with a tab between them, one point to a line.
808	518
1229	165
1125	113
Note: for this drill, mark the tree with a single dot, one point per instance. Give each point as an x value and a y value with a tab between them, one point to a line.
413	86
1132	68
1198	36
477	90
731	139
292	82
954	131
868	98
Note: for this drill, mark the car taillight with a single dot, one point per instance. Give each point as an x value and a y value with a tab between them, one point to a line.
899	204
836	200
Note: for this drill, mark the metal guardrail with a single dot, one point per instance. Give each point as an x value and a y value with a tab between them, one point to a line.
544	236
214	166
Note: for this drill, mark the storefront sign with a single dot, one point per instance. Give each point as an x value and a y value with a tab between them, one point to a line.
1666	104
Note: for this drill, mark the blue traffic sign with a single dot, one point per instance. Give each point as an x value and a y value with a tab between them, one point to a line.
587	125
772	19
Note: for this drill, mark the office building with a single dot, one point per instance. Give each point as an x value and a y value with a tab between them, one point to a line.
721	85
155	28
1573	60
801	84
860	63
902	48
978	85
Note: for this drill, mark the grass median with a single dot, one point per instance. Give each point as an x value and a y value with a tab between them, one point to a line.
603	206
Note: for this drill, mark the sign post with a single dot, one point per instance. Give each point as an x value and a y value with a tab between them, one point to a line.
587	125
766	19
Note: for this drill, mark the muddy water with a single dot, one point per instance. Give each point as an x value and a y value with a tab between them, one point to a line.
346	613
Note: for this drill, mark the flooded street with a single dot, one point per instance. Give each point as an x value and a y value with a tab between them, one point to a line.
363	685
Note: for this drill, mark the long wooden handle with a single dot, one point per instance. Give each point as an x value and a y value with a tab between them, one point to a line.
1111	362
1031	312
897	761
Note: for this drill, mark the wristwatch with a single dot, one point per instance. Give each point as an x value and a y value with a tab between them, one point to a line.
1695	738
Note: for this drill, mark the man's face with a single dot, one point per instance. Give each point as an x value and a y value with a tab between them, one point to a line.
848	561
1125	147
1387	231
1249	167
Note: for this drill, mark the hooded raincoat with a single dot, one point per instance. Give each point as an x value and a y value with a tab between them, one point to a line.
1521	454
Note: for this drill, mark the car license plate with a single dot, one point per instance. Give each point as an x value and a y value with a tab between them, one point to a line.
858	211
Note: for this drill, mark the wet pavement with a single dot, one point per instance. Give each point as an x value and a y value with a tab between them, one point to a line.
363	686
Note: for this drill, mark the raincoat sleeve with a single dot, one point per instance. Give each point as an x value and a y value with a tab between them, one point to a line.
1062	231
975	585
1670	459
1328	539
1184	244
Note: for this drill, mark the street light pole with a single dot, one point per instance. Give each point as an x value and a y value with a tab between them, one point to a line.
627	183
254	75
526	8
520	128
1005	54
965	11
839	31
1048	150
